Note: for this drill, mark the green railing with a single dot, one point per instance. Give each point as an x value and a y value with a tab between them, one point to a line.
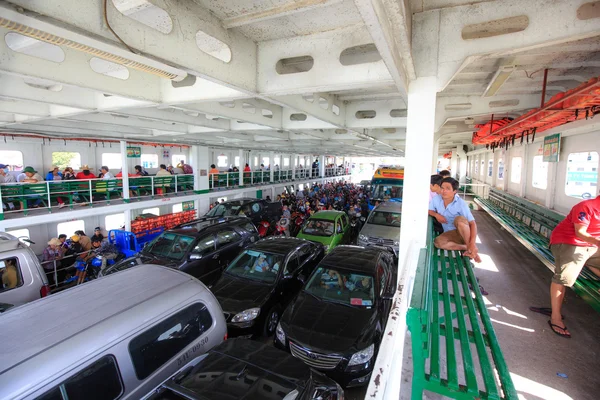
455	349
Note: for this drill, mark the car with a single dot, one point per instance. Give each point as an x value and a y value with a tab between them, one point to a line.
337	321
365	183
241	368
115	337
22	277
200	248
330	228
253	294
258	210
382	227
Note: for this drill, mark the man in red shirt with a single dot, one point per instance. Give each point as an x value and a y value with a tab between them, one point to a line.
85	173
574	243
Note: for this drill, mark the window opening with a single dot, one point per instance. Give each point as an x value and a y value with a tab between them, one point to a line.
112	160
12	158
149	160
69	228
582	175
213	46
64	159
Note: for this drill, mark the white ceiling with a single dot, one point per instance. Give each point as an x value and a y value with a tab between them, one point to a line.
248	104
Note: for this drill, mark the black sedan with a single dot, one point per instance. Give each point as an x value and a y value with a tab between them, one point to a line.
255	288
337	321
240	368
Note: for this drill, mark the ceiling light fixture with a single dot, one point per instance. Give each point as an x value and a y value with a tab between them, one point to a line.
161	70
500	77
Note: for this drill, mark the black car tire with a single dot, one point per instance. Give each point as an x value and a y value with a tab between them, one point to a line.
271	321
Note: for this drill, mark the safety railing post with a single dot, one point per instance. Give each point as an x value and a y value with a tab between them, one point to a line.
227	180
91	193
48	194
55	275
152	185
175	183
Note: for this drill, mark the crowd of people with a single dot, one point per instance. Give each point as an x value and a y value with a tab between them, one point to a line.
62	252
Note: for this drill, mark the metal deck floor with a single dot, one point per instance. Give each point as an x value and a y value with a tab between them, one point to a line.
515	280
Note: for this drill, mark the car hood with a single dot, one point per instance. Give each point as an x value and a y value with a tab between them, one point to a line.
328	327
380	231
326	240
237	295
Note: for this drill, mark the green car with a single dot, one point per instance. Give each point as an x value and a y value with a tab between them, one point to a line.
330	228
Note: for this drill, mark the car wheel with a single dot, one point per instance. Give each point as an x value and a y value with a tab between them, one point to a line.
271	321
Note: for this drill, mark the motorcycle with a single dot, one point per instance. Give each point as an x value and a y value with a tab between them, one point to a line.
282	227
263	229
298	219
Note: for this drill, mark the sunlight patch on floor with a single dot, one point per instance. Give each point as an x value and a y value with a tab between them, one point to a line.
511	325
538	390
486	263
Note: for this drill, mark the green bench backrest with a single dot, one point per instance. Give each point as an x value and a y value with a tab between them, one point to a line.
9	190
38	189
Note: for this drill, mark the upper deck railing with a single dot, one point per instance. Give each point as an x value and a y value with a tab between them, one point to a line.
20	198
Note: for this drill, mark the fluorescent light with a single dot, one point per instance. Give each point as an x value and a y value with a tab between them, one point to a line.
498	80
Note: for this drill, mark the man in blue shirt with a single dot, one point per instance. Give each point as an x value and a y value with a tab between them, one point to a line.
460	230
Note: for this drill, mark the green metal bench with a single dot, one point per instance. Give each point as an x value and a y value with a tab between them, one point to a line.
162	184
61	190
455	350
185	183
13	193
109	189
531	224
141	186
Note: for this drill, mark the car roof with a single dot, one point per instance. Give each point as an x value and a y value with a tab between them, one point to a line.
280	245
242	200
208	224
326	215
269	366
356	258
9	242
64	329
389	206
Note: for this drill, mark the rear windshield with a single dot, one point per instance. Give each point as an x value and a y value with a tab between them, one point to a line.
225	210
170	245
341	286
319	227
384	218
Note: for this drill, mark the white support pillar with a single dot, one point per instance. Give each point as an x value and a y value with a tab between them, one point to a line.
462	163
293	162
321	166
127	217
125	174
551	187
524	169
454	164
419	154
241	166
199	160
271	166
436	154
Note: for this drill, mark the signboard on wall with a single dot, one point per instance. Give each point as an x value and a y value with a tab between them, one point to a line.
551	148
188	205
134	152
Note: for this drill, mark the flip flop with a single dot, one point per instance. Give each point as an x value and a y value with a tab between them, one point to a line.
565	335
543	310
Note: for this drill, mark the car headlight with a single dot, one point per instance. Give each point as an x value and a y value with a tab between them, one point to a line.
362	356
280	333
364	238
246	315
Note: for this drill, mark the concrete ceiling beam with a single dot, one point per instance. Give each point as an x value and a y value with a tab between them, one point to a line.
455	53
283	10
388	22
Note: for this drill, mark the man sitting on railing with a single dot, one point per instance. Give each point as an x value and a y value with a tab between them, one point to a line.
460	230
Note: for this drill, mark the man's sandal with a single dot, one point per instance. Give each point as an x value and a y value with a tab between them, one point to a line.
561	334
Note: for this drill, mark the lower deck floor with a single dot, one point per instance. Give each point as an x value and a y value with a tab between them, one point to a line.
542	364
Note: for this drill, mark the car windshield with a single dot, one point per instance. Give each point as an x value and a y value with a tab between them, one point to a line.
387	192
318	227
225	210
170	245
384	218
341	286
256	265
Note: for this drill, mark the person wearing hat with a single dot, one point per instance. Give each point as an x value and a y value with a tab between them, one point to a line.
31	175
54	174
5	177
51	255
85	173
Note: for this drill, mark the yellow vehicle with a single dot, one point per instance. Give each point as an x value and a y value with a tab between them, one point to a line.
387	184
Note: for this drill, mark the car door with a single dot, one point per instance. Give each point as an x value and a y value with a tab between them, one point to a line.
16	281
309	256
345	228
229	245
289	284
202	263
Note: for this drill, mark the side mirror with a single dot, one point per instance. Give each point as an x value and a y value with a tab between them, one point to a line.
194	256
